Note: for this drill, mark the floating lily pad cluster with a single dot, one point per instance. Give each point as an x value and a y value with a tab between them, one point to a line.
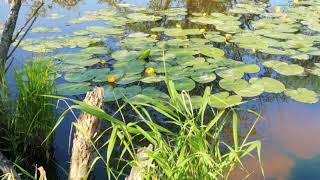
195	48
45	29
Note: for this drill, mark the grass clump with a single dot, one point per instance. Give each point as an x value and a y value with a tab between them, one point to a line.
188	146
33	115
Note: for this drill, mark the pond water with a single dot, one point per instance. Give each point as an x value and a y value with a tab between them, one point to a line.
289	129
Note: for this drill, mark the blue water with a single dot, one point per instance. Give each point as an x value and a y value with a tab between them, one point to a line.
289	130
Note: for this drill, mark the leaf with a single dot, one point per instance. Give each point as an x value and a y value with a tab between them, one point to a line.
302	95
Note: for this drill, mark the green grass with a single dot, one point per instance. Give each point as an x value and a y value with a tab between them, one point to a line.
5	105
189	146
33	115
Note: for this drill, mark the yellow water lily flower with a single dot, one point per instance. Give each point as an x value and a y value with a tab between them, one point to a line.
202	30
154	36
111	79
277	9
185	46
228	36
102	62
227	42
178	26
149	71
295	1
204	14
285	16
254	50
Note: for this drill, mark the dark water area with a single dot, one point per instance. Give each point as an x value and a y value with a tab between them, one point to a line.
289	130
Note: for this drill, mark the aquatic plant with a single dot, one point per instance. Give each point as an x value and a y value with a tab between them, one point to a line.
193	50
187	145
34	114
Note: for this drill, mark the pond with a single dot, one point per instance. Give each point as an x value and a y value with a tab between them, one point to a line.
265	54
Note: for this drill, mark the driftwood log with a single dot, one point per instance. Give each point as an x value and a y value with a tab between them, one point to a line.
7	169
82	149
143	162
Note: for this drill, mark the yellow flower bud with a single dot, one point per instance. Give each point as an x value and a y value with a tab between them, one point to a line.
149	71
254	50
154	36
202	30
277	9
204	14
228	36
295	1
111	79
102	62
178	26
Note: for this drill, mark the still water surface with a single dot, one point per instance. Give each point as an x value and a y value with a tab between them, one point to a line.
289	130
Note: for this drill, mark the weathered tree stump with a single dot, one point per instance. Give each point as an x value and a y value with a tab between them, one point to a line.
143	162
82	150
7	169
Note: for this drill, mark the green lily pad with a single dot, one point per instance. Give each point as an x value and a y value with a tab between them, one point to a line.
232	73
86	75
270	85
112	94
289	69
274	63
315	71
133	91
69	89
231	84
100	30
302	95
252	90
78	77
222	100
45	29
196	102
96	50
212	52
300	57
154	93
157	29
153	79
176	32
204	77
184	84
129	78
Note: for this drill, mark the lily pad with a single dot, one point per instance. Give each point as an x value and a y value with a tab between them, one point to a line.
69	89
133	91
112	94
153	79
289	69
184	84
222	100
302	95
270	85
251	90
231	84
204	77
196	102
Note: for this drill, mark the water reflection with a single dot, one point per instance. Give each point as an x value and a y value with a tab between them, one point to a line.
291	149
